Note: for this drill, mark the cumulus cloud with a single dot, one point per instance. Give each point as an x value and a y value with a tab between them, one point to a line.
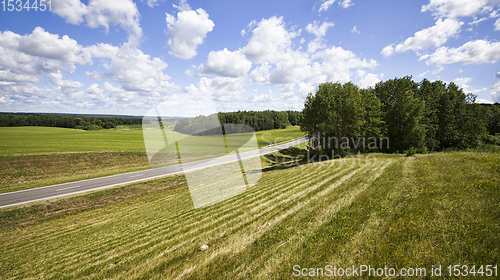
434	36
152	3
354	30
338	63
270	96
223	89
369	80
270	59
57	79
44	44
497	25
464	84
101	13
459	8
495	92
478	51
8	76
132	68
346	4
319	30
295	67
26	59
269	41
327	3
188	31
225	64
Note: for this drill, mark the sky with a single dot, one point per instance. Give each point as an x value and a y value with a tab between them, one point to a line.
196	57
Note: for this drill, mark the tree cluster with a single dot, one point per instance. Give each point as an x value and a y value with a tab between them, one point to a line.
77	122
412	116
256	120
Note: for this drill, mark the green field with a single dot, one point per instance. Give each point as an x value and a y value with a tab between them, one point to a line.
36	140
401	212
39	156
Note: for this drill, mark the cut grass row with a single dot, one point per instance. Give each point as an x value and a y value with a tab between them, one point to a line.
436	209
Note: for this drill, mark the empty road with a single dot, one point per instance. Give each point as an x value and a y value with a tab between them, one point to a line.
24	196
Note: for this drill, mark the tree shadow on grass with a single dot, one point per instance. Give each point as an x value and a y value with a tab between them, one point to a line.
285	159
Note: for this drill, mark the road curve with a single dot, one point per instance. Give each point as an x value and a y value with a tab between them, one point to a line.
25	196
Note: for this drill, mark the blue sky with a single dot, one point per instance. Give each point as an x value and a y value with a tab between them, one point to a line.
197	57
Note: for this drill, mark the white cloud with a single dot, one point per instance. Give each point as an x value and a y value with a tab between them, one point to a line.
338	62
270	96
188	31
459	8
434	36
152	3
8	76
135	70
388	51
57	79
269	41
327	3
484	101
25	58
42	56
295	67
44	44
464	84
478	51
346	4
73	11
223	89
101	13
319	30
497	25
354	30
225	64
495	92
422	75
369	80
94	89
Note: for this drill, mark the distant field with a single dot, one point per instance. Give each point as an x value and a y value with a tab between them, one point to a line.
39	156
401	212
34	140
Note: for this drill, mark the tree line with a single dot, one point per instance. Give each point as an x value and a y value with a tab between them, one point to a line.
77	122
254	120
410	116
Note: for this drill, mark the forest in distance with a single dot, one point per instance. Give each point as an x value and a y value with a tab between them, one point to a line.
421	117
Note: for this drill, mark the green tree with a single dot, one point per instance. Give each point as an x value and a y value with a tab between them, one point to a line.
402	114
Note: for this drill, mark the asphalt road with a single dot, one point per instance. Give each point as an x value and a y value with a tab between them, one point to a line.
24	196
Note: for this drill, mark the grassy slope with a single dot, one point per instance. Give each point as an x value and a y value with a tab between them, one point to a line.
417	211
57	155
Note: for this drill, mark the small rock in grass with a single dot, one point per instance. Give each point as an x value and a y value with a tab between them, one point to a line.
203	247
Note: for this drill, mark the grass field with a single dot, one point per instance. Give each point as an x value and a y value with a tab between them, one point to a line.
36	140
39	156
419	211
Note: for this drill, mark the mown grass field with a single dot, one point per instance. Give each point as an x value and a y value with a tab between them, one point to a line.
419	211
38	156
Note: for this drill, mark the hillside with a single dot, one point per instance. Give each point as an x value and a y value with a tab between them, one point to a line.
395	211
